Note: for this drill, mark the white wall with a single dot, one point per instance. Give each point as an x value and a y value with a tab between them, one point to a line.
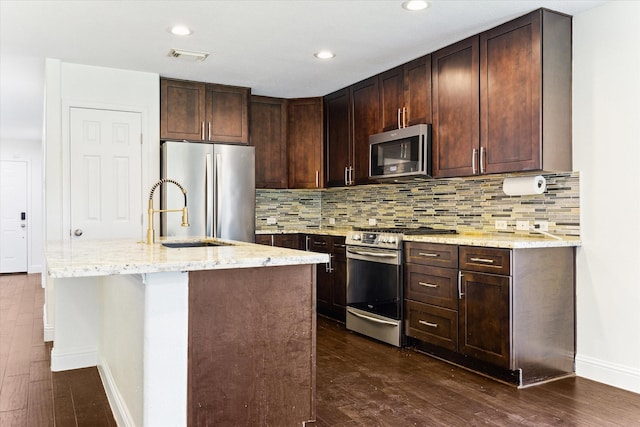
74	85
30	152
606	151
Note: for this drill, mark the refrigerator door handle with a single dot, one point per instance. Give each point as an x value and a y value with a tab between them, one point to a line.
208	188
216	194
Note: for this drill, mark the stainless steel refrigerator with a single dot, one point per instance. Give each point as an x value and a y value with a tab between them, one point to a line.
220	184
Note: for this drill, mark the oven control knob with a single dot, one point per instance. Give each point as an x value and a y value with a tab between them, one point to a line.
392	239
382	239
355	237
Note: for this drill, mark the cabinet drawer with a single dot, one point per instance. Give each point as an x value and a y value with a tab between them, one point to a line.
432	285
435	325
338	247
434	254
486	260
319	243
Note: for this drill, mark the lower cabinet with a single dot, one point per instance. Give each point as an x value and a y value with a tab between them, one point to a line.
331	278
509	313
291	241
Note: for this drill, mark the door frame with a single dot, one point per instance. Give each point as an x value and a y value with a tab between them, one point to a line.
150	169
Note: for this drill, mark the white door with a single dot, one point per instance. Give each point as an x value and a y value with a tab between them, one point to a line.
13	216
105	174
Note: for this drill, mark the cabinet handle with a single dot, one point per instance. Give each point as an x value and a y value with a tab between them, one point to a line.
350	176
482	159
209	131
306	243
404	117
273	240
425	323
460	294
482	260
473	161
399	126
428	285
202	131
346	175
317	178
329	265
430	255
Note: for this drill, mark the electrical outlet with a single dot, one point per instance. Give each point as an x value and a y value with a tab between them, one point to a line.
372	221
541	225
271	221
522	225
332	221
501	225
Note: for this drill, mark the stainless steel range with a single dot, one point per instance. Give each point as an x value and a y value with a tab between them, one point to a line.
375	281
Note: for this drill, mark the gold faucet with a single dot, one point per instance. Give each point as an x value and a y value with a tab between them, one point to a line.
185	217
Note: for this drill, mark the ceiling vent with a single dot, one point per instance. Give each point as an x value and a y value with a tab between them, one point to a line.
185	54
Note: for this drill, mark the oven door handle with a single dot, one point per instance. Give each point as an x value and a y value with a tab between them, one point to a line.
373	319
373	254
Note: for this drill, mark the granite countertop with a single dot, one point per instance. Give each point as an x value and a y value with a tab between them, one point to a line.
497	240
86	258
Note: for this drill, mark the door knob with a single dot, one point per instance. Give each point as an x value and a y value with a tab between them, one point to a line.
23	225
78	232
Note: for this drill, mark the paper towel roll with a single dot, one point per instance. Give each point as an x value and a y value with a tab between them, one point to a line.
524	185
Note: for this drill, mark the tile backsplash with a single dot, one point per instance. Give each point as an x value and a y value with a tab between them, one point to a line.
464	204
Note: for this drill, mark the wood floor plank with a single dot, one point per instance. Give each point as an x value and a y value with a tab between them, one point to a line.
40	408
14	393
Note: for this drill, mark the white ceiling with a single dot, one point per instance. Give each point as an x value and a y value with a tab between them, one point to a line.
265	45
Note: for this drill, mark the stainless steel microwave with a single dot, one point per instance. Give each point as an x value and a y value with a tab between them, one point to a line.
400	153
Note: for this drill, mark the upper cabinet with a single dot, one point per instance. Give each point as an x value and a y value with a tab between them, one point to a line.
268	130
365	114
351	115
502	100
337	131
456	113
305	136
182	110
405	94
525	94
204	112
227	114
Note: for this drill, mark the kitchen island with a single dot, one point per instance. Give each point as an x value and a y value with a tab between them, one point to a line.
220	335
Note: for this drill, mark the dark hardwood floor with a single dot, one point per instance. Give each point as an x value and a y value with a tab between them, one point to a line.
360	383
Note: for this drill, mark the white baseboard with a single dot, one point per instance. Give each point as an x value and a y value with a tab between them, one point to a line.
612	374
81	357
48	327
118	406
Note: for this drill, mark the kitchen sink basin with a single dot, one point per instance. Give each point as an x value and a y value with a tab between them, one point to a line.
197	244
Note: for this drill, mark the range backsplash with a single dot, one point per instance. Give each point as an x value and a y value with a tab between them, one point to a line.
464	204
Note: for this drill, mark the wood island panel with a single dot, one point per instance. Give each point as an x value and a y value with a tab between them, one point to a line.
252	346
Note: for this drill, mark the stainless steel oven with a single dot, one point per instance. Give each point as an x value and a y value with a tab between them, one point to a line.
374	285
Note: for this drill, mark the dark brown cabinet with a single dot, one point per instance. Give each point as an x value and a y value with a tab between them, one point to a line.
227	114
365	114
456	110
182	110
525	94
331	279
337	128
485	305
268	130
405	94
508	313
291	241
431	293
305	149
502	100
198	111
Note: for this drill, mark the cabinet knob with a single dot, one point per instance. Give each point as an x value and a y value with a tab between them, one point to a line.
77	232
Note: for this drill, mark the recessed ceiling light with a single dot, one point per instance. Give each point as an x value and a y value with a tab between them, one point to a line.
324	54
415	5
180	30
